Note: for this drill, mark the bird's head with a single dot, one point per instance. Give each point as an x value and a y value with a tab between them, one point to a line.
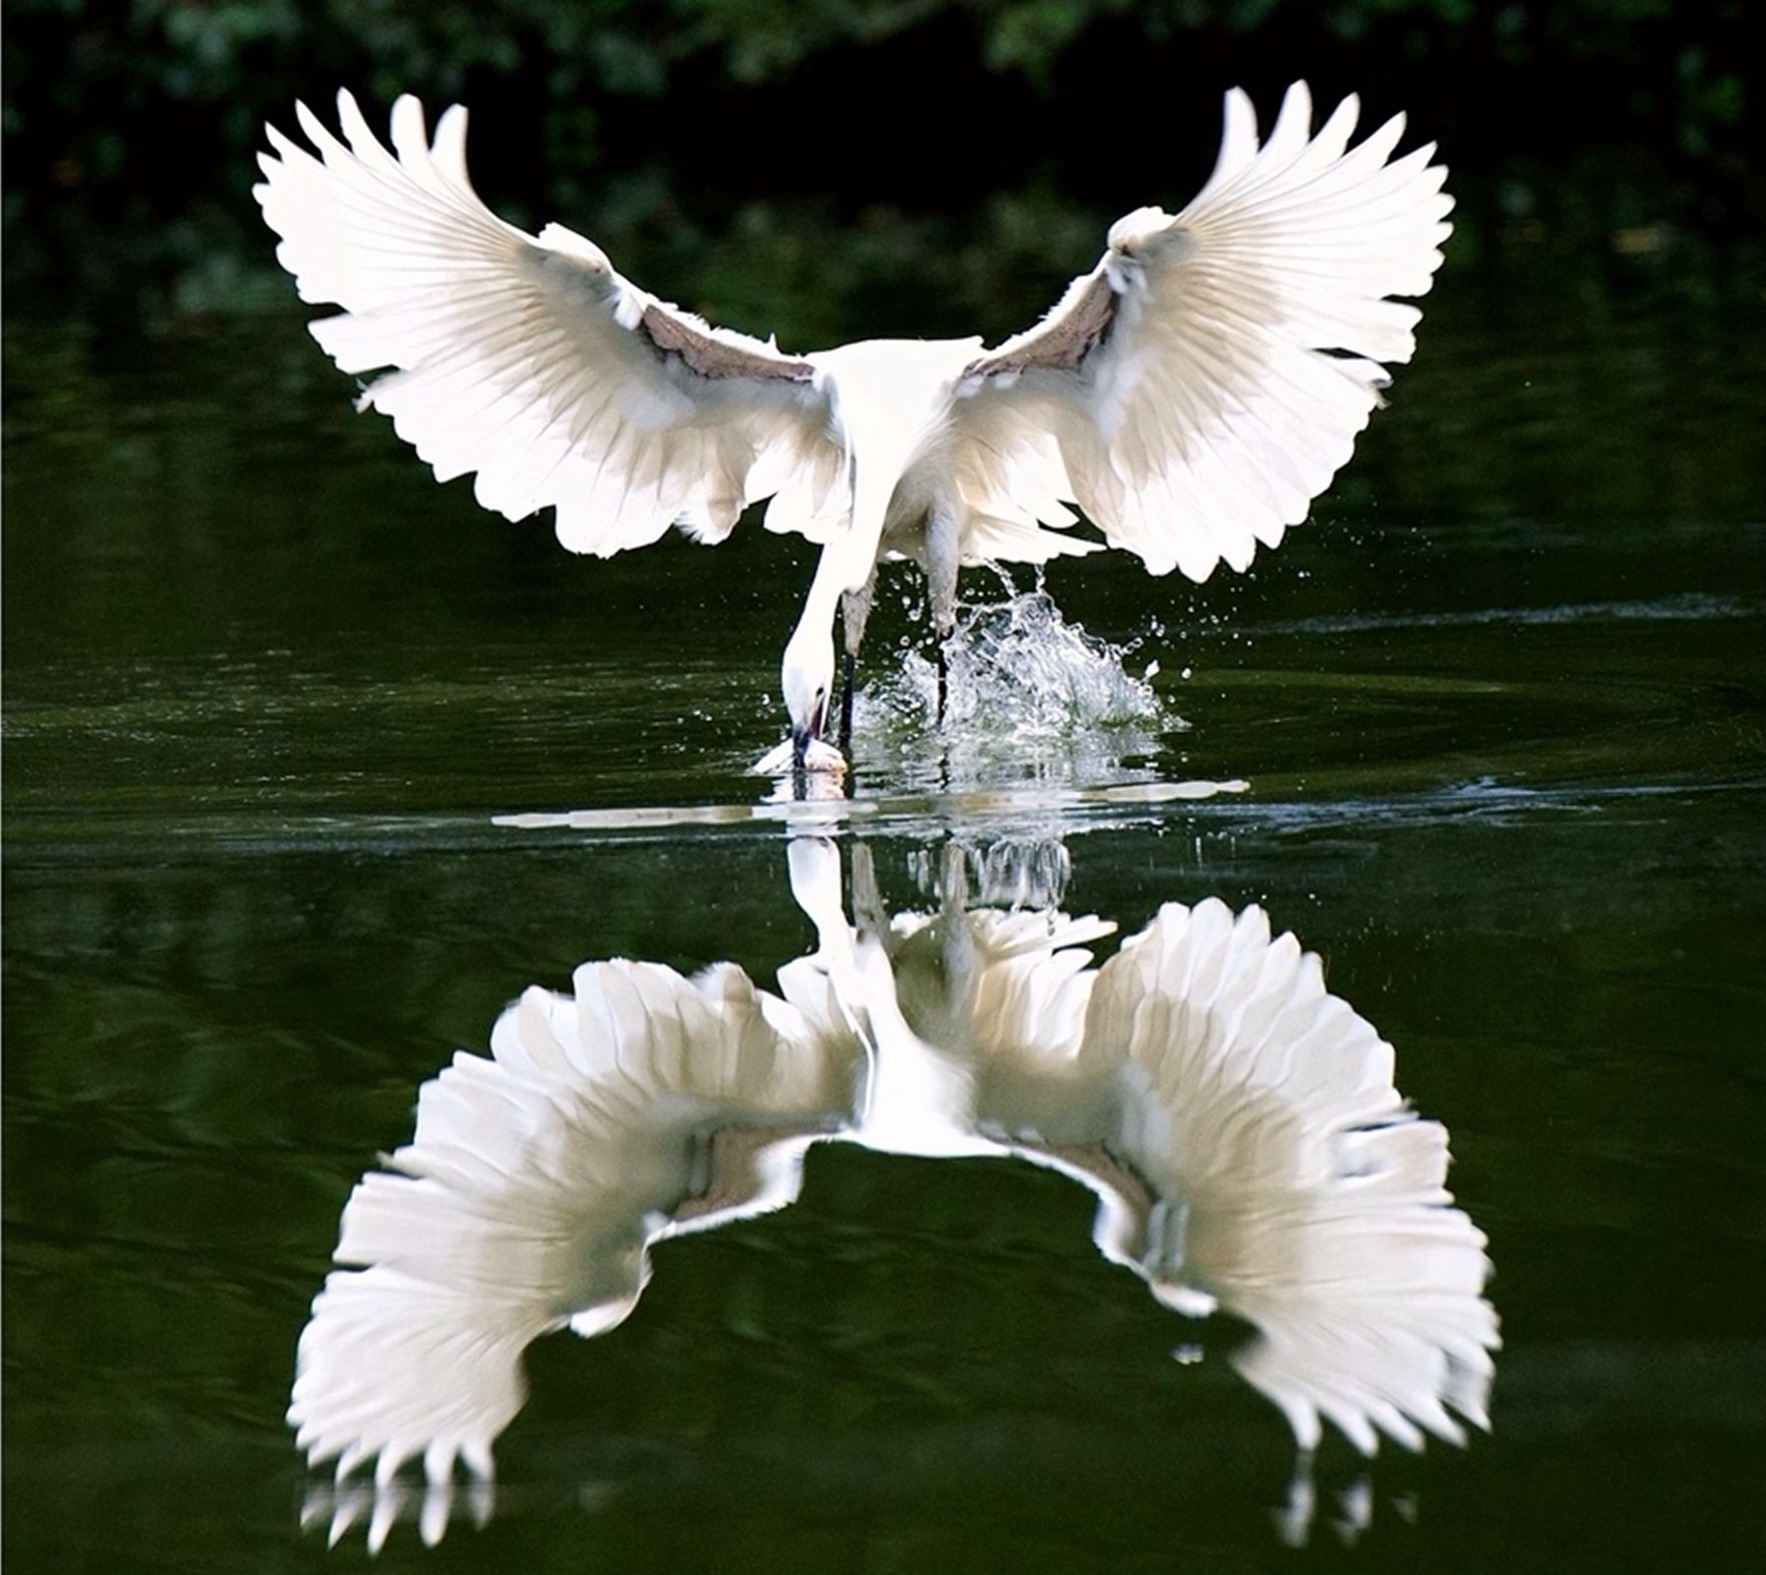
807	679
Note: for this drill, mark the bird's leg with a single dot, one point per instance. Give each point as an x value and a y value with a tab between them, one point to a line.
942	553
855	612
848	676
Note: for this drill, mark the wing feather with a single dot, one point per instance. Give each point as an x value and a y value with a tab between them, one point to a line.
529	360
1208	378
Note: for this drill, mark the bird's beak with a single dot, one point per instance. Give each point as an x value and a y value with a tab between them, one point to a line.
805	735
805	752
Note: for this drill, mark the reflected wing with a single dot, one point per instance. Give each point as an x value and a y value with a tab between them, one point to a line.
531	361
1298	1187
642	1105
1208	378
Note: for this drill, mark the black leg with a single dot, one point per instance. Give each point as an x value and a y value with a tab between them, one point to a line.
849	667
943	680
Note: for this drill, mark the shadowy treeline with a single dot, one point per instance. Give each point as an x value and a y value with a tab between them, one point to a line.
131	126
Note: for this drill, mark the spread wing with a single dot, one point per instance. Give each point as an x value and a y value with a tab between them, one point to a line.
642	1105
529	360
1207	379
1299	1190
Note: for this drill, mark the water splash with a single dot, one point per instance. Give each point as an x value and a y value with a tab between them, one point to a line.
1018	663
1028	694
1003	872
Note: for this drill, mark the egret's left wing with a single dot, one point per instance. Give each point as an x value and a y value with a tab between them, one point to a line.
1208	378
528	359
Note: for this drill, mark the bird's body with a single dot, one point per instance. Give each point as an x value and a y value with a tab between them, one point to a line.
1191	394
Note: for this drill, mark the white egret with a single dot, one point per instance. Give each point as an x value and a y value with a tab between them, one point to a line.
1191	395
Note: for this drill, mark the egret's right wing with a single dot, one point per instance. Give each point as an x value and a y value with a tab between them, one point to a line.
530	360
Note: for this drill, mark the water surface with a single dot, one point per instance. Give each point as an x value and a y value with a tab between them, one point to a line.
311	767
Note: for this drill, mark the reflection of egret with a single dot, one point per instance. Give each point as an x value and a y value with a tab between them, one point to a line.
1191	394
1237	1123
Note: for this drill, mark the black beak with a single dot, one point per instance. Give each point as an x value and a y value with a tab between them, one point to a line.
802	737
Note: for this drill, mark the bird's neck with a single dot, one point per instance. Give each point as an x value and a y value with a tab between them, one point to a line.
849	556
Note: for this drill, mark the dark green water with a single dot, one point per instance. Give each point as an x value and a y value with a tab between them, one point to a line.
1501	713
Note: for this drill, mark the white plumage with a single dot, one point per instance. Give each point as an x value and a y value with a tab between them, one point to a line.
1237	1123
1191	395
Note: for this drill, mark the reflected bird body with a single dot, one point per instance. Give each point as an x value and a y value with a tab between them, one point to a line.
1190	395
1237	1123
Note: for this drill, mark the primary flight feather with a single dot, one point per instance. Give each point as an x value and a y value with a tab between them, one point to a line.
1191	395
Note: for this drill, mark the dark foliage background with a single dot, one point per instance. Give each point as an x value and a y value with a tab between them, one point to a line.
1625	127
